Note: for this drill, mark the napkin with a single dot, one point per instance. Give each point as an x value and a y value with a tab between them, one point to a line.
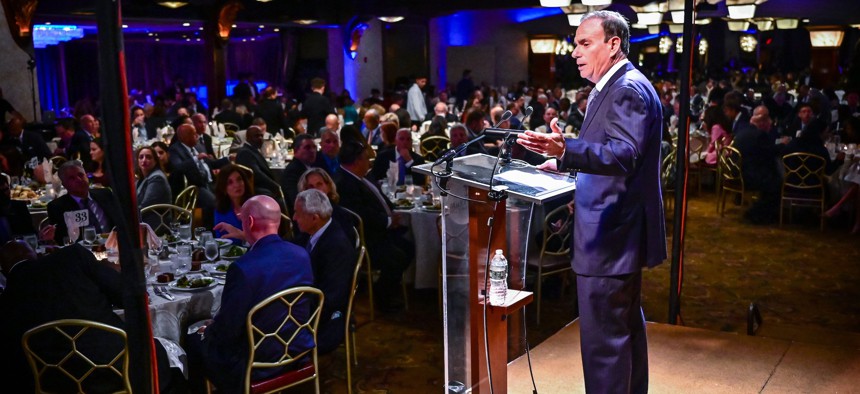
146	233
47	169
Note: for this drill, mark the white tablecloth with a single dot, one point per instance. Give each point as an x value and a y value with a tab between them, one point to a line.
428	247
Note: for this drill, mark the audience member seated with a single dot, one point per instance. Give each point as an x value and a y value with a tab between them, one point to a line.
460	136
372	132
403	157
333	258
332	123
15	218
204	140
317	178
65	129
99	204
304	156
441	109
270	266
438	127
152	187
96	168
800	122
297	123
80	145
251	156
233	188
759	167
228	114
389	249
68	284
195	166
30	143
718	127
810	141
329	149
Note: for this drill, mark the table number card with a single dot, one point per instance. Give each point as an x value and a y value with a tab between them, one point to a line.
78	218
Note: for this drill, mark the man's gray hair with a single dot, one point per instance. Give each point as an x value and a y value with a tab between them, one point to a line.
614	25
61	172
315	202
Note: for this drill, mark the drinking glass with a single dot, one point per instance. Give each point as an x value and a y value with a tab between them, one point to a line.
174	229
211	250
89	235
410	188
205	237
74	233
32	240
198	231
185	232
182	260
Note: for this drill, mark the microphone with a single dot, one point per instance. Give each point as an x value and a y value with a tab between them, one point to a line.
529	111
505	116
451	153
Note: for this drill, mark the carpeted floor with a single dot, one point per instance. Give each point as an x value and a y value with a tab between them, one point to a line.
796	274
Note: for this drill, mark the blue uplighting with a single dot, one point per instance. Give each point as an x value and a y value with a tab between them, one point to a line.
643	38
526	14
458	27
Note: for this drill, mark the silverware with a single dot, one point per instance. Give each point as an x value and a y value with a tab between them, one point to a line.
162	293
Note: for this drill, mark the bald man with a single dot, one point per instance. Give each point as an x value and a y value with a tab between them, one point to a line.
80	145
196	167
269	266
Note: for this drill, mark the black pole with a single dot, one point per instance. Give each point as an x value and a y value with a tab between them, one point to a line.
117	140
681	160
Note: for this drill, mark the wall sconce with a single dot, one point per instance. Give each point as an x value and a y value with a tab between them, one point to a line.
748	43
738	25
702	22
786	23
391	19
650	18
574	19
352	36
742	9
543	45
764	24
679	45
676	28
826	38
664	45
554	3
172	4
703	46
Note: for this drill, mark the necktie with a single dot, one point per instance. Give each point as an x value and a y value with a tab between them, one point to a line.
591	97
401	168
95	213
201	166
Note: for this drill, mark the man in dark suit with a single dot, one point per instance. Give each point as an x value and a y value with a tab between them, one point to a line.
271	111
619	222
316	106
249	155
204	140
760	168
68	284
228	114
30	143
270	265
402	156
329	149
80	146
99	204
197	168
372	131
577	115
734	111
304	156
389	249
333	260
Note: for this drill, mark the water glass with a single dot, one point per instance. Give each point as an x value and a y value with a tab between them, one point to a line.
32	240
198	231
74	233
211	250
185	232
89	235
182	260
205	237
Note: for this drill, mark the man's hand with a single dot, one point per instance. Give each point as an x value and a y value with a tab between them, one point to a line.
548	165
551	144
47	232
405	154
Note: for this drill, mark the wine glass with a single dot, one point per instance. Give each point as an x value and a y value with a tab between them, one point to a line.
74	233
89	235
185	233
211	250
205	237
197	232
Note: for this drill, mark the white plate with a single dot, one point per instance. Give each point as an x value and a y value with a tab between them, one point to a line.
226	249
210	268
172	285
223	242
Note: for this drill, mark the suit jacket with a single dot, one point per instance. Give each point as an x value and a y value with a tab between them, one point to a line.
356	196
230	116
619	222
290	181
182	164
80	146
207	144
18	218
31	145
271	265
270	110
103	197
68	284
154	189
333	259
331	167
759	154
388	156
316	107
251	157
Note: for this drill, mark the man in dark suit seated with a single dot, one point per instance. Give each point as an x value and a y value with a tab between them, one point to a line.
333	259
329	149
197	168
270	266
30	143
250	155
402	156
79	149
305	153
99	204
228	114
389	249
68	284
760	166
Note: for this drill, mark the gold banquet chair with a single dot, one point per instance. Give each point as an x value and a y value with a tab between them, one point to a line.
433	146
803	183
555	249
79	368
187	198
359	227
349	344
166	214
289	300
730	162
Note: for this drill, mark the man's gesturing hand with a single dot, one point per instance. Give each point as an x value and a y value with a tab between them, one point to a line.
550	144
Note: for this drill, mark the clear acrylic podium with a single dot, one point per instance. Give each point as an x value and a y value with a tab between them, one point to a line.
468	240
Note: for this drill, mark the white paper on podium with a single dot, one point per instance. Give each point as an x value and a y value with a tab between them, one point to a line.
525	178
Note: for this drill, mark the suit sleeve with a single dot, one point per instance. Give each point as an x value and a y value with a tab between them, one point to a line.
157	192
417	179
185	167
55	217
261	180
228	327
335	274
290	184
621	150
380	167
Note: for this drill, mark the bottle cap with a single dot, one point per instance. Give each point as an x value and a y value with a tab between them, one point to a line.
499	251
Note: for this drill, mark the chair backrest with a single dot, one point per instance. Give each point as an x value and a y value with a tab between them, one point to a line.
557	229
286	228
300	307
803	172
433	146
87	363
697	147
57	161
354	287
166	213
230	128
667	170
425	125
358	225
730	162
187	198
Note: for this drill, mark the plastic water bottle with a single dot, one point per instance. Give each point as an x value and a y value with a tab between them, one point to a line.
498	278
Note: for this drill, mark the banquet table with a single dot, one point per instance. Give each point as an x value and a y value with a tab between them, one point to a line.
428	246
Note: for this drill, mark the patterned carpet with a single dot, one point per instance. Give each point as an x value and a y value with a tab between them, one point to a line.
796	274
